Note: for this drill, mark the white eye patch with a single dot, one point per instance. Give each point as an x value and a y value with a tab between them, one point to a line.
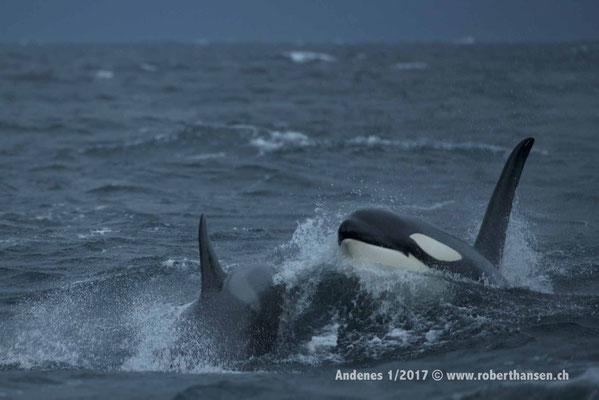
435	249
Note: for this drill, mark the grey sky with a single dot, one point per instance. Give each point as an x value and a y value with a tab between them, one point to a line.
300	20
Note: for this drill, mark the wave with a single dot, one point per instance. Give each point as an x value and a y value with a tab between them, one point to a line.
216	137
421	144
278	140
94	232
287	140
302	57
186	132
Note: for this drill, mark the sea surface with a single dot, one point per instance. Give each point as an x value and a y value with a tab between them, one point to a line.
110	153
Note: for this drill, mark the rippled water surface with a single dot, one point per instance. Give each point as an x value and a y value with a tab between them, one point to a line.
109	154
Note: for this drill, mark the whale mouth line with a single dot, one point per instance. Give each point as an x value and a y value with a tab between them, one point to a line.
367	252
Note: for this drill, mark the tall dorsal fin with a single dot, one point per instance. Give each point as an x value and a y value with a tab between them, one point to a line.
491	238
212	274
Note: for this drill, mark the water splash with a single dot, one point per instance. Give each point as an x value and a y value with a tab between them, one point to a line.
339	310
158	344
67	328
522	265
336	311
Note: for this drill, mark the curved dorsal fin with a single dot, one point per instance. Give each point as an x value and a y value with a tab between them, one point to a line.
491	237
212	274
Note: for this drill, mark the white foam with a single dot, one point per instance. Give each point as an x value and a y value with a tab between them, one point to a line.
179	263
94	232
371	140
432	335
376	141
400	334
302	57
326	340
278	140
8	242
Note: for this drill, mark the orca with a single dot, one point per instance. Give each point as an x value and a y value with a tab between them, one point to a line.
241	309
384	237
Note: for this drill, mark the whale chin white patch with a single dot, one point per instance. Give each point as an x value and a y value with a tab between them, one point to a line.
380	255
435	249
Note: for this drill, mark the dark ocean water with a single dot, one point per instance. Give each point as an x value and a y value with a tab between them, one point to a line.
109	154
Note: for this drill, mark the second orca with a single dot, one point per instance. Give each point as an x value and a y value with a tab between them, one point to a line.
384	237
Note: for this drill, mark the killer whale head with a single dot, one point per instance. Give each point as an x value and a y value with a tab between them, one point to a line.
384	237
387	238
